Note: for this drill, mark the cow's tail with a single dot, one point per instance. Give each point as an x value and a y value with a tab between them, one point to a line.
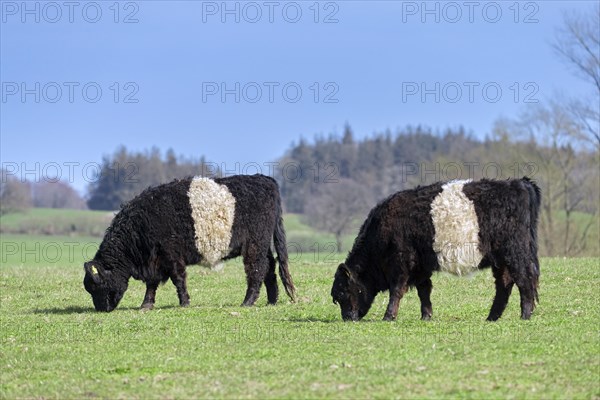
282	256
535	200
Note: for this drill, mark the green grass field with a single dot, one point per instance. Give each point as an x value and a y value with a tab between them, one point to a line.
54	345
86	223
301	237
54	221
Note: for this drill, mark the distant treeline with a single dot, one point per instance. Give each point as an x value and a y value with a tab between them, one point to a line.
386	162
120	177
333	181
125	174
18	195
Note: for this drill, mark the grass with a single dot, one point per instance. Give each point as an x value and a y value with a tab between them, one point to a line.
579	221
53	345
301	238
86	223
53	221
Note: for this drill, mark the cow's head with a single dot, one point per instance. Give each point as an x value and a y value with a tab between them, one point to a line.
353	296
101	283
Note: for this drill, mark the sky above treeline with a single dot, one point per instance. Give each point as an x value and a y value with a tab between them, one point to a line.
238	82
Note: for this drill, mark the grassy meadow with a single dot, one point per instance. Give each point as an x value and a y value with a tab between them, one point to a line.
52	221
54	345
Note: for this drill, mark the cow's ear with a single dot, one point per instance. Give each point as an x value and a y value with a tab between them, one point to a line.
354	273
95	271
343	268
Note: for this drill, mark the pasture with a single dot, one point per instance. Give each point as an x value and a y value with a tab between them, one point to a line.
53	343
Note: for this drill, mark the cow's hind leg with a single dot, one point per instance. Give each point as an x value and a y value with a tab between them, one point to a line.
504	285
179	279
256	267
424	291
524	275
148	303
527	292
271	280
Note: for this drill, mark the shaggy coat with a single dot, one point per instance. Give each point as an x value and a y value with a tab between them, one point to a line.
457	227
192	221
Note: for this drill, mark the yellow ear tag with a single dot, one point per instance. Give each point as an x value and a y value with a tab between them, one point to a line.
94	270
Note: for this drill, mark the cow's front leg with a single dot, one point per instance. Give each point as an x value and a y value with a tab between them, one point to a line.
424	291
148	303
396	293
179	279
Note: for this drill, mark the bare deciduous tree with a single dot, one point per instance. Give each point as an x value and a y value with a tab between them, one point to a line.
56	195
568	178
15	196
338	208
578	43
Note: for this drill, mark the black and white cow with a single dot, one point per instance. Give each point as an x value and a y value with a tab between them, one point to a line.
192	221
456	227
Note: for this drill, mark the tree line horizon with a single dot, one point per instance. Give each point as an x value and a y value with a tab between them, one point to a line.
334	180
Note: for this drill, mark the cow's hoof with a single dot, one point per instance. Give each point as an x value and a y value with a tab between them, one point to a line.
185	304
272	300
389	318
146	307
426	317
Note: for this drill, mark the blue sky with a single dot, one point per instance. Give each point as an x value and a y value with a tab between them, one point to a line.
162	67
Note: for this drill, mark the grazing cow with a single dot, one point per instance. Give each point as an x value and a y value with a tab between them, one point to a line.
456	227
191	221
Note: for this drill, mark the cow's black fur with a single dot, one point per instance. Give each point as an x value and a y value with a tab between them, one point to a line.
152	239
393	250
